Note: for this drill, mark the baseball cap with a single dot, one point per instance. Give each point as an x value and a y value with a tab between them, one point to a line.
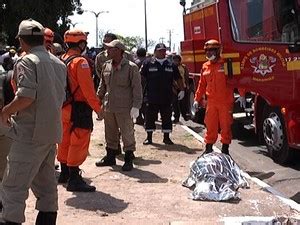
160	46
30	27
115	44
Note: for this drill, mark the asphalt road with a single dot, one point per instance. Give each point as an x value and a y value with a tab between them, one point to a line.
253	158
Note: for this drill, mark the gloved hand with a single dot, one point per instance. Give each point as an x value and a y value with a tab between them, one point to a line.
242	101
196	105
134	113
180	95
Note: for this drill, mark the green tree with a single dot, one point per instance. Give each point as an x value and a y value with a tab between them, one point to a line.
47	12
132	42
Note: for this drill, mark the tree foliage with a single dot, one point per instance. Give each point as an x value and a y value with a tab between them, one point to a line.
131	42
47	12
134	42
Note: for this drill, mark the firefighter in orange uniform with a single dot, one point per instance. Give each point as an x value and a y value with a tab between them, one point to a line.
218	98
77	115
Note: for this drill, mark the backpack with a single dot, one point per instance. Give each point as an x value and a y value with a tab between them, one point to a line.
6	90
69	96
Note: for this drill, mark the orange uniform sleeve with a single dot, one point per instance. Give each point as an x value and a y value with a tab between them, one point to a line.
201	89
86	85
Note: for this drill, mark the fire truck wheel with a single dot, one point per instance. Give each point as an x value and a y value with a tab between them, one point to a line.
274	135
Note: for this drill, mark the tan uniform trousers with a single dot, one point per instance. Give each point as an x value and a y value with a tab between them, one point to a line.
30	165
5	144
116	123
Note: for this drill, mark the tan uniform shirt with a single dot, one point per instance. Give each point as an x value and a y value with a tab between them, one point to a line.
102	57
120	88
41	76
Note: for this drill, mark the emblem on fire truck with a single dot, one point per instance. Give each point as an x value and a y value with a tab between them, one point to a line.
263	64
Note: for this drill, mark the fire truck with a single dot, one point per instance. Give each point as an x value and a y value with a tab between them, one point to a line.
261	49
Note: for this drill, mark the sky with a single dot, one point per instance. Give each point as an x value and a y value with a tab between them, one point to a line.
126	18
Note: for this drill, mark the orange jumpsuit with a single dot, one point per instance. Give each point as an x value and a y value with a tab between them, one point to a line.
73	149
213	84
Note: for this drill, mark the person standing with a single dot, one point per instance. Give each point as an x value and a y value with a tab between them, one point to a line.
214	93
77	113
141	57
6	96
121	93
34	117
181	106
159	74
102	57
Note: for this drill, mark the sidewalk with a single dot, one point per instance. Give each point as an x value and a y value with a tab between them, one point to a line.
152	192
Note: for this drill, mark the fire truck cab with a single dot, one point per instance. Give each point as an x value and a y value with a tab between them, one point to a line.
261	48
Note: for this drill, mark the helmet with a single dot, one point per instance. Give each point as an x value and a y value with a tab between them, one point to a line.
74	36
48	35
212	44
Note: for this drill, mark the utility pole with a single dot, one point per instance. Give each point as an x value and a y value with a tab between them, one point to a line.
170	40
146	38
161	40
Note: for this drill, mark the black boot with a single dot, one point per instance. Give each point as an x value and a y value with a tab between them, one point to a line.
128	165
109	159
76	183
46	218
208	148
64	174
119	150
225	149
167	139
148	140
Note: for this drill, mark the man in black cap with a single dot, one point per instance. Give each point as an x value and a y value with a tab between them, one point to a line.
159	74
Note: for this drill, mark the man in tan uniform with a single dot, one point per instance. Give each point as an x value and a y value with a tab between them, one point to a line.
6	96
34	118
101	58
120	92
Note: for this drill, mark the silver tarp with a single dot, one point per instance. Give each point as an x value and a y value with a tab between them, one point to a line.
215	177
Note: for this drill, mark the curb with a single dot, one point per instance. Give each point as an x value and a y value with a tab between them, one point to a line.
294	205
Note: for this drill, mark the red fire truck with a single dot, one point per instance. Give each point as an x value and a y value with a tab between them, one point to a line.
261	48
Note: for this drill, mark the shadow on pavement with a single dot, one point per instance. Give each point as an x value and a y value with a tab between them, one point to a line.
140	161
142	176
145	162
96	201
177	148
296	197
261	175
295	161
